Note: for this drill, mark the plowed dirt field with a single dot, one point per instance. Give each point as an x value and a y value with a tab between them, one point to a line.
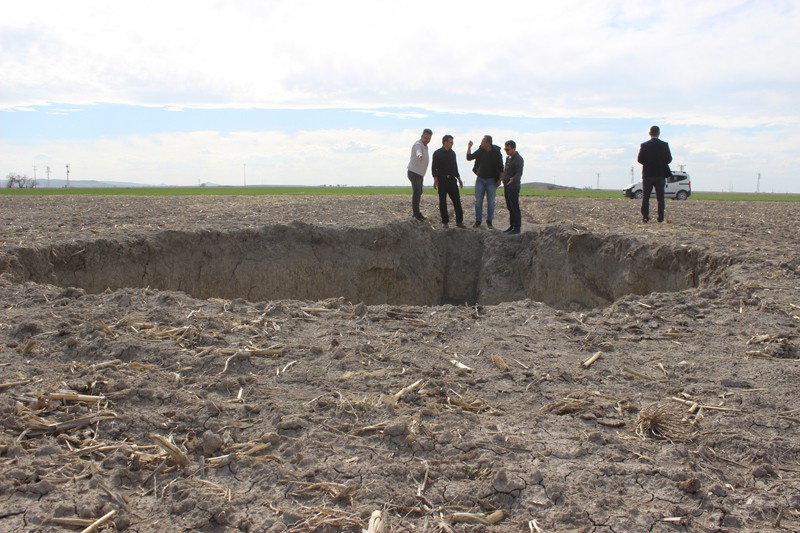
329	364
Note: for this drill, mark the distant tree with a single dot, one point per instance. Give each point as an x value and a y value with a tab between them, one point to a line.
15	180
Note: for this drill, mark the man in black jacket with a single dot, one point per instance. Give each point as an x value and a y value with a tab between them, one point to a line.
447	181
489	167
655	157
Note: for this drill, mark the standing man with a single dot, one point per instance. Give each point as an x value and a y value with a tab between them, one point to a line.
512	179
655	157
489	168
417	167
447	181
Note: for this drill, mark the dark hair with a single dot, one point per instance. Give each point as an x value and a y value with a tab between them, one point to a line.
428	131
655	130
488	138
511	144
447	138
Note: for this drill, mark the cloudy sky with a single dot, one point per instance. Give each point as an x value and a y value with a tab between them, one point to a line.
310	92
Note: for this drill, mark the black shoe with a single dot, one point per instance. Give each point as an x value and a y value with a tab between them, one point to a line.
514	231
477	224
489	225
645	220
419	217
461	225
508	230
445	225
660	220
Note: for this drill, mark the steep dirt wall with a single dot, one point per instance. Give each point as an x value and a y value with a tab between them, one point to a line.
397	263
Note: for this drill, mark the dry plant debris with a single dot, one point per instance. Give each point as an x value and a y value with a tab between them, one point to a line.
145	407
663	421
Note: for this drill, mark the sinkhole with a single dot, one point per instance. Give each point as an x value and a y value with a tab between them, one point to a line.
400	263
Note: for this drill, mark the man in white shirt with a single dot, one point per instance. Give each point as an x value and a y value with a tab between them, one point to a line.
417	167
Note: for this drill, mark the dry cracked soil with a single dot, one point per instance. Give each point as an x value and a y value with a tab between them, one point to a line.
329	364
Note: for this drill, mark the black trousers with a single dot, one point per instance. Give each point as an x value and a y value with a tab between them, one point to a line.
511	192
648	184
448	186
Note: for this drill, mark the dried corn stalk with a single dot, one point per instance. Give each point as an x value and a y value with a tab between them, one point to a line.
459	365
477	518
500	363
377	523
175	453
590	361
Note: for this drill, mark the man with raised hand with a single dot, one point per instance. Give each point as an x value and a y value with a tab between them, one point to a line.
489	166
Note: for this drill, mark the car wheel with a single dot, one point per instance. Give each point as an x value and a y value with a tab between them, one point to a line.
638	195
682	195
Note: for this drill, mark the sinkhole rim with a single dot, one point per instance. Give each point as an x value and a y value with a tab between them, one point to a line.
398	264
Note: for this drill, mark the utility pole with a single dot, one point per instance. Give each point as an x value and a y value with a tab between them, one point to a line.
758	183
48	176
598	181
244	169
631	174
34	176
67	185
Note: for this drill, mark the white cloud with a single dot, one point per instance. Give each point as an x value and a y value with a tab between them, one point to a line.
718	70
272	158
571	58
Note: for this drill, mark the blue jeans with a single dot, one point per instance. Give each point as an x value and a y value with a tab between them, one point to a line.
488	188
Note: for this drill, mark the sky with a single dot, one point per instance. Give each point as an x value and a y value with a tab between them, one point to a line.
247	92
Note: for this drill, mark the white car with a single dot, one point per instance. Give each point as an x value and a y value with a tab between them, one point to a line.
678	186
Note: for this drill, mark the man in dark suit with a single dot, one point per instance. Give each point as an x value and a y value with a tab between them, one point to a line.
447	181
655	157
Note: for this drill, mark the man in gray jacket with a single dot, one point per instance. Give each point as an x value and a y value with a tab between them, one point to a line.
512	179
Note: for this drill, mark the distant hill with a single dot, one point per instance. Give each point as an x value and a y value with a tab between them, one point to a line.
545	186
83	184
94	184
